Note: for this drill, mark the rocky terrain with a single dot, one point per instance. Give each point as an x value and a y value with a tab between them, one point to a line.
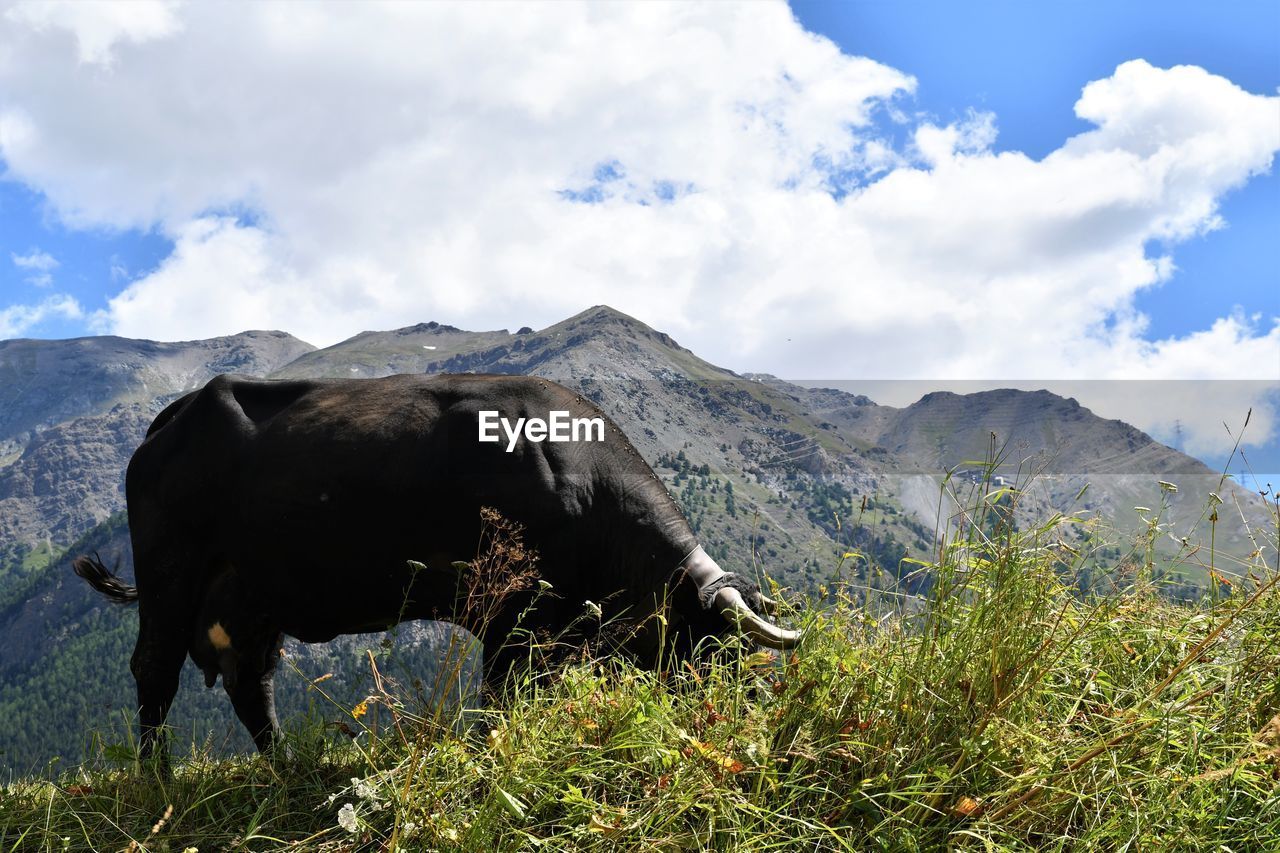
71	413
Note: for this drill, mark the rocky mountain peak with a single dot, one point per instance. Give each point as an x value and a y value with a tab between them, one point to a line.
424	328
604	320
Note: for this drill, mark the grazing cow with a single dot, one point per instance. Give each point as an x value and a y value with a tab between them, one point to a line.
262	508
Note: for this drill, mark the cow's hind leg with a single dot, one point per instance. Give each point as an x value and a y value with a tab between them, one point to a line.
156	663
252	690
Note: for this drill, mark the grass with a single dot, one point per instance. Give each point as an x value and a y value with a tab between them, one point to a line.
1000	710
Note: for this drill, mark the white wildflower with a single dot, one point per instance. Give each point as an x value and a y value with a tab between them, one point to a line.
365	790
347	817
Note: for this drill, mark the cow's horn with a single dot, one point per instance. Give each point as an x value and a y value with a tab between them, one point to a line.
734	608
770	606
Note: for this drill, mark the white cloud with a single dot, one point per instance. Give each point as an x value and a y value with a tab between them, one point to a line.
974	136
406	162
217	276
40	266
16	320
34	260
98	26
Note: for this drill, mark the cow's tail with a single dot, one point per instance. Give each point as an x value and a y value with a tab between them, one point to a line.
104	580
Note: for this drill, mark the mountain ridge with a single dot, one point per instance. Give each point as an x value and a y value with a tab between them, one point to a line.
44	382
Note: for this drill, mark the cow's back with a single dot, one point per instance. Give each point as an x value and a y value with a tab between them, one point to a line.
318	492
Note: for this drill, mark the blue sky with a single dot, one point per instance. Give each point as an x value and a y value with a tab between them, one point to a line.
895	204
1026	62
92	263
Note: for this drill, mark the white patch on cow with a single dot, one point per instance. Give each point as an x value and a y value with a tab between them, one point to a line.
219	638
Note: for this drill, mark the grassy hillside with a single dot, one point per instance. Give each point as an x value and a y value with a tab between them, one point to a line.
1003	710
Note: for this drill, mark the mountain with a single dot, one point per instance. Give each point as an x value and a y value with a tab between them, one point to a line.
776	478
1052	448
72	411
43	383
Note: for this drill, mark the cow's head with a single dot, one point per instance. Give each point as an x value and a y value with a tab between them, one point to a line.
737	600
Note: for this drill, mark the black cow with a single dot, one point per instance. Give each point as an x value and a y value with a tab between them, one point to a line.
262	508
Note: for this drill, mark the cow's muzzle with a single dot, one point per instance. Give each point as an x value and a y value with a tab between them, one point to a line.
729	601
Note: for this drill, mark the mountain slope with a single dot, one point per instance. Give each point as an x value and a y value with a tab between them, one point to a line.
69	477
46	382
943	430
72	411
1053	448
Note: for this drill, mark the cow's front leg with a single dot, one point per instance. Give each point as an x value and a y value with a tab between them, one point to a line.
252	692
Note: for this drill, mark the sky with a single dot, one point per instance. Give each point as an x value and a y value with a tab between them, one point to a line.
1008	193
